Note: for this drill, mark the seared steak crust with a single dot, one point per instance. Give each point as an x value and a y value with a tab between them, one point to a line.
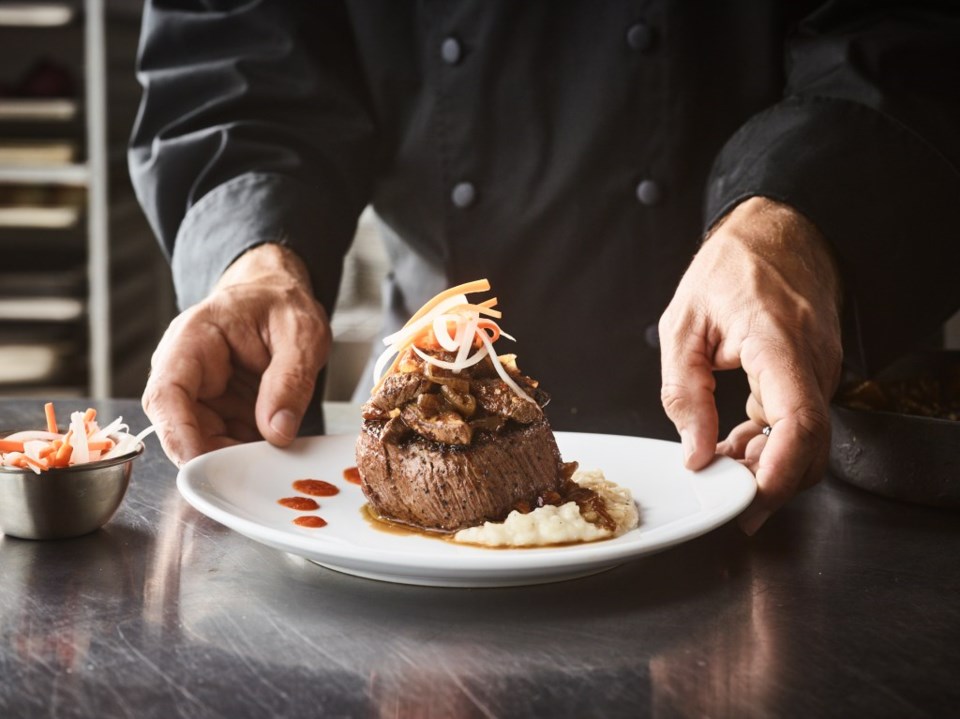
443	427
494	396
397	390
446	488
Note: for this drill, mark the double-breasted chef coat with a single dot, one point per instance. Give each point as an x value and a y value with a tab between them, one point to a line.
572	151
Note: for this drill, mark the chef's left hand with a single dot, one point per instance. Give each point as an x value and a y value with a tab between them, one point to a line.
763	294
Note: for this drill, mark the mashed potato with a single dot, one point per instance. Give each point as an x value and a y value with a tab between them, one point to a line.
558	525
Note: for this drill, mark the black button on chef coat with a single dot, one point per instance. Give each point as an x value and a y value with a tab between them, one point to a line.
640	36
463	195
451	51
649	192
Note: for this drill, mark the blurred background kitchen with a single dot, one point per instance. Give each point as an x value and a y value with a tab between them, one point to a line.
85	292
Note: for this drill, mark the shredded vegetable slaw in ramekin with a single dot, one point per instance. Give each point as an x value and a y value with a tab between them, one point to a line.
83	442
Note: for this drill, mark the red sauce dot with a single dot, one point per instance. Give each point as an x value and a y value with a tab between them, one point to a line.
301	504
310	520
352	475
315	487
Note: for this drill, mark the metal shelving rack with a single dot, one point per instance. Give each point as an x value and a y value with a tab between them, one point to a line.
116	255
88	173
98	247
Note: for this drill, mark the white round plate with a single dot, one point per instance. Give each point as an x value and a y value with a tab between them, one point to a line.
240	487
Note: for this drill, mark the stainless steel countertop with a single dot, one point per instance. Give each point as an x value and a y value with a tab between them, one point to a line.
846	604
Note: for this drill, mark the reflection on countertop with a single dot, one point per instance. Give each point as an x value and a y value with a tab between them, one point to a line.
843	605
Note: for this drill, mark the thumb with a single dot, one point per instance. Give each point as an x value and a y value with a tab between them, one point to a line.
687	395
288	383
286	388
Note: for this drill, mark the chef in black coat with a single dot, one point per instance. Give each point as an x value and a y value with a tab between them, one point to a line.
658	191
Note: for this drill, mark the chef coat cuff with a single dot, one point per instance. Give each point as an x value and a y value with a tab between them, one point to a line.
880	194
251	210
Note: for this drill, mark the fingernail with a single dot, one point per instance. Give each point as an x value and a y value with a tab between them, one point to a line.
284	424
687	443
750	522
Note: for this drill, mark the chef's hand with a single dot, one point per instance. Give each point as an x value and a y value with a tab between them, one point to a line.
763	293
242	364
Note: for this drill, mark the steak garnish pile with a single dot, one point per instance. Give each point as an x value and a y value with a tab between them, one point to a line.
454	435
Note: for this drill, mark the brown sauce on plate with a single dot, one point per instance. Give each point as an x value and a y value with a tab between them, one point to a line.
382	524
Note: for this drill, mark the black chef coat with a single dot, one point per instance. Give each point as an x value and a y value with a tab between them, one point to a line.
571	151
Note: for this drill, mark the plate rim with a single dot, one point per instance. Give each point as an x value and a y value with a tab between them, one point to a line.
467	561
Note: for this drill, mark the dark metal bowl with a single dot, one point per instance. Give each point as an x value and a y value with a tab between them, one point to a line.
902	456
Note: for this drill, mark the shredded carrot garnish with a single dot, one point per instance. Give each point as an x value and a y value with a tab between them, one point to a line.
51	417
48	448
465	289
481	308
492	326
426	339
451	323
62	457
7	445
39	464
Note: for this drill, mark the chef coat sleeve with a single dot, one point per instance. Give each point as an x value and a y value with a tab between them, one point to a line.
252	128
866	143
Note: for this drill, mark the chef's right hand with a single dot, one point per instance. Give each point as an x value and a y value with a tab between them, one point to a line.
242	364
763	294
